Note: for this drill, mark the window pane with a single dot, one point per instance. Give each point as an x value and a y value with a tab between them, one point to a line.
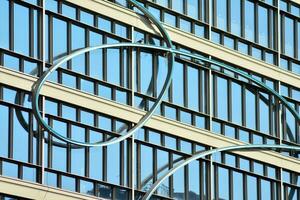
59	38
222	14
192	8
263	25
113	163
237	103
78	41
223	186
21	136
78	154
237	186
146	73
178	93
289	36
236	17
222	96
193	88
249	20
4	20
146	167
21	25
4	131
250	110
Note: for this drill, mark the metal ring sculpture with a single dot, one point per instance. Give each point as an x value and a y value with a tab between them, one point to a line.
171	51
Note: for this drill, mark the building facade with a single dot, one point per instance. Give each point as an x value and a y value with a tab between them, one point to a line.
100	95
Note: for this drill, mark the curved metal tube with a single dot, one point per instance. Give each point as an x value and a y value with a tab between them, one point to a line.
38	85
37	88
210	152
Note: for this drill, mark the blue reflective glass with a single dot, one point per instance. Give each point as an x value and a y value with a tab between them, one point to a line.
223	186
163	2
221	14
185	117
229	131
4	131
237	102
78	155
51	5
69	112
155	12
59	154
264	113
216	127
177	5
250	110
59	38
295	68
104	24
105	91
269	58
242	47
199	31
121	30
87	18
170	19
96	57
256	53
179	184
161	74
170	112
178	83
249	20
51	107
30	67
185	25
68	183
21	25
193	88
9	169
289	38
237	183
162	166
154	138
146	167
69	11
185	147
95	157
4	19
11	62
192	8
251	187
222	98
228	42
86	187
113	65
194	180
50	179
87	86
29	174
236	17
69	80
215	37
20	137
263	25
244	136
78	41
146	73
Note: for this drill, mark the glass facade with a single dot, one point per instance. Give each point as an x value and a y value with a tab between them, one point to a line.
202	96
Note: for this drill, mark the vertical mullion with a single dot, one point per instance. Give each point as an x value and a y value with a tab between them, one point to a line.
11	131
11	25
185	85
230	183
243	18
87	153
244	105
229	16
87	55
30	139
122	164
257	108
31	32
229	88
201	92
186	181
69	149
282	31
256	31
270	23
296	39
